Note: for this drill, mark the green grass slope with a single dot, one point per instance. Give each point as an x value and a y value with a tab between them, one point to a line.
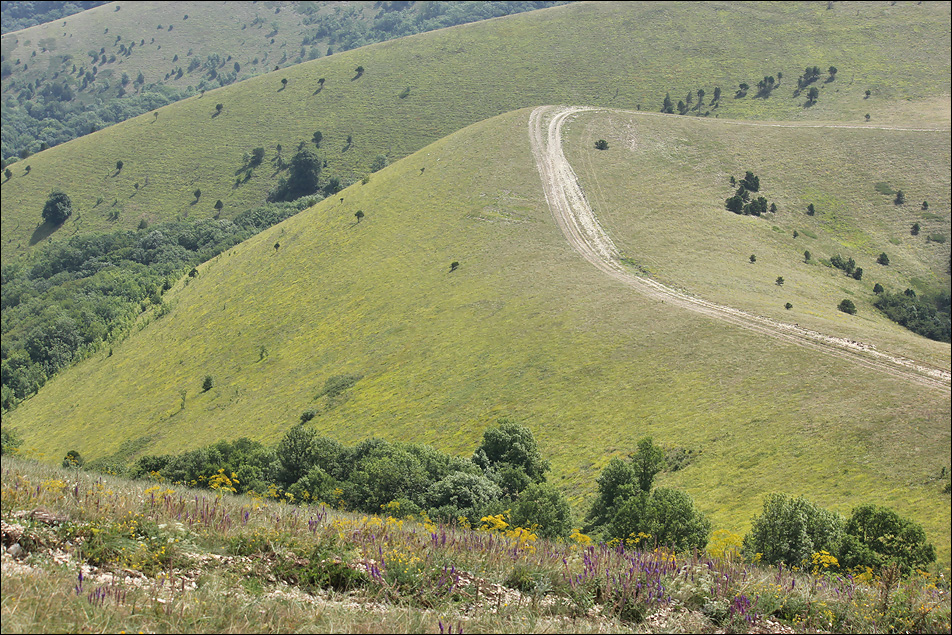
609	54
660	188
523	328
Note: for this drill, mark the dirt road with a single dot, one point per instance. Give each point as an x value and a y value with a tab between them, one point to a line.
578	223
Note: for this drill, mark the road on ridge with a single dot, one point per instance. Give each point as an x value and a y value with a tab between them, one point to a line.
580	227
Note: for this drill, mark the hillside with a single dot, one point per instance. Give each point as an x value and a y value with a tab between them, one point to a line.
416	90
522	328
63	79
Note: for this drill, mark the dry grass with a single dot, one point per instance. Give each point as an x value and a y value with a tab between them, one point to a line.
240	564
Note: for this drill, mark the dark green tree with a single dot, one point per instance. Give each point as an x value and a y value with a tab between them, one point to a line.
58	208
302	179
646	463
667	516
601	144
511	444
847	306
359	215
296	453
877	536
915	229
735	204
667	106
900	198
616	483
811	210
878	289
119	166
208	383
883	259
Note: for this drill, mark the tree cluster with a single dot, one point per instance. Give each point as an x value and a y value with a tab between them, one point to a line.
928	314
507	472
791	530
742	202
848	266
628	508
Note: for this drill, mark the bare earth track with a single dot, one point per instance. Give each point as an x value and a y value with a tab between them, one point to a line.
578	223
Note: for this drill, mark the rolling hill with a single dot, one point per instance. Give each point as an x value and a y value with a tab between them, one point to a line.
66	77
416	90
523	328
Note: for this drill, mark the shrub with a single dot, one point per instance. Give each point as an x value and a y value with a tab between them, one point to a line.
10	440
511	443
58	208
601	144
790	530
847	306
73	459
668	516
544	507
788	306
296	453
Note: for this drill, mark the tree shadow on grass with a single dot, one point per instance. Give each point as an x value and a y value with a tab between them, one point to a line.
43	231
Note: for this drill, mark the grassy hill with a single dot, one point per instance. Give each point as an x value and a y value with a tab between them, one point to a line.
660	191
418	89
106	65
523	328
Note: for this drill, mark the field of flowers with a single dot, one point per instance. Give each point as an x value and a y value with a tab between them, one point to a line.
91	553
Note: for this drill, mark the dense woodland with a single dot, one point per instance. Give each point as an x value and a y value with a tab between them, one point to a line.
22	14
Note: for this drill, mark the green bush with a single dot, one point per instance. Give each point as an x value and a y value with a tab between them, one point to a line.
791	530
544	505
58	208
668	516
511	443
73	459
847	306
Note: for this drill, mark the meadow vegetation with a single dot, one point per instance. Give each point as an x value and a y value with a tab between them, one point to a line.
451	87
375	300
98	552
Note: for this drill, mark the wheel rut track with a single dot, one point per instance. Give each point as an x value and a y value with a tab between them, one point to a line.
579	225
